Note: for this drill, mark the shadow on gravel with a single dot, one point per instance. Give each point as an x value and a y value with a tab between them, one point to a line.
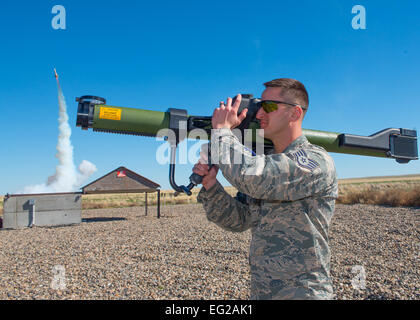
99	219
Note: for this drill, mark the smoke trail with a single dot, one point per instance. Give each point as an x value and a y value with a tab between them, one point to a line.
66	178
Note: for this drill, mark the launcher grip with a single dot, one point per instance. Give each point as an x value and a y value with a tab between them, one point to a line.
195	178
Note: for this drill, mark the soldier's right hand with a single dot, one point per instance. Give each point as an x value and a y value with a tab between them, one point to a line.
209	177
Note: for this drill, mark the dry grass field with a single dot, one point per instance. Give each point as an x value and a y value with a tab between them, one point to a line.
410	178
396	191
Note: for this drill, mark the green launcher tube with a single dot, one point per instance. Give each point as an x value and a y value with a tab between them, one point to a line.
129	120
400	144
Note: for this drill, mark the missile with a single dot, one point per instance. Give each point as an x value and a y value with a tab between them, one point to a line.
55	74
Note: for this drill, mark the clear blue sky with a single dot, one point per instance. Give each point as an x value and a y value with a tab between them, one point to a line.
192	54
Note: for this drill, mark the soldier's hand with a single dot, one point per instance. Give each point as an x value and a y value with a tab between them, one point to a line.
209	176
226	116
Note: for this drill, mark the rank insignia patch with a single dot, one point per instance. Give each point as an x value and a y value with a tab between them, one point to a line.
303	161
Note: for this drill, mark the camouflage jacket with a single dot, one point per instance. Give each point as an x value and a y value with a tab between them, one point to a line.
287	199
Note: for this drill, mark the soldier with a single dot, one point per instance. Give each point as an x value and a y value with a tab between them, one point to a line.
286	196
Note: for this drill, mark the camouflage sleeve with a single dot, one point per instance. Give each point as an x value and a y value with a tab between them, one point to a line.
224	210
280	176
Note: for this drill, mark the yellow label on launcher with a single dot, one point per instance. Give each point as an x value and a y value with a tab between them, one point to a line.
110	113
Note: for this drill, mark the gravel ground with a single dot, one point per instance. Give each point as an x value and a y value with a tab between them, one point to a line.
122	254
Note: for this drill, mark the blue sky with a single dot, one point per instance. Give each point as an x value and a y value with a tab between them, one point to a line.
192	54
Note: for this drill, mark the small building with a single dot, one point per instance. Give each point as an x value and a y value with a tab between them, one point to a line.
123	180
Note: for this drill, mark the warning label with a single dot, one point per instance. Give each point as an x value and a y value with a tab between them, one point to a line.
110	113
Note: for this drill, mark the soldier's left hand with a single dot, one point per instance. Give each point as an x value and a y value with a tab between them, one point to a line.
226	116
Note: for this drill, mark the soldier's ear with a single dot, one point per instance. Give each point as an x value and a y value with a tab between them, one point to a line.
295	114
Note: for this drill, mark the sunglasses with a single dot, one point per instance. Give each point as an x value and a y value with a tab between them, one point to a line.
272	105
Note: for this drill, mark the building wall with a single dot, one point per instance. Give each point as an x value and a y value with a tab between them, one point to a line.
42	210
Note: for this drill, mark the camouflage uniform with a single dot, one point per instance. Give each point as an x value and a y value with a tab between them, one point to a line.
287	199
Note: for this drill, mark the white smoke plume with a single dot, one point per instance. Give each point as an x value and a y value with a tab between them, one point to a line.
66	178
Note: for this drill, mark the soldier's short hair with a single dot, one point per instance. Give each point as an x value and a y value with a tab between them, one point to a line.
293	89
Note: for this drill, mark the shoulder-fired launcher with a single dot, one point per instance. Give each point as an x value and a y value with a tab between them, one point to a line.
395	143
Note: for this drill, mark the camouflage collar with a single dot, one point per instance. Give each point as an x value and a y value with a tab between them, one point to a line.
296	144
301	140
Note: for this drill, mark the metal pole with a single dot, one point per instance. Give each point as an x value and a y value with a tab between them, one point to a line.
158	203
32	212
146	203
